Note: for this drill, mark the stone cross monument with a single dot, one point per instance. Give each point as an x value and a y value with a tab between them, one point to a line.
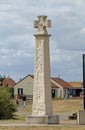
42	85
42	101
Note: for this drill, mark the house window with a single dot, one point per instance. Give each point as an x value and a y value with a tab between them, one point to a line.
1	84
20	90
53	93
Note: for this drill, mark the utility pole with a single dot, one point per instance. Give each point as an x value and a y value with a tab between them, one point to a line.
84	81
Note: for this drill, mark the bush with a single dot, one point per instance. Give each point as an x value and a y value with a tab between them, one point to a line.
7	106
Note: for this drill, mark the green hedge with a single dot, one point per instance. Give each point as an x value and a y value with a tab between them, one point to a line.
7	106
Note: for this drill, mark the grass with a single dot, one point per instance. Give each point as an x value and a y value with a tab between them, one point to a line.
44	128
67	105
59	106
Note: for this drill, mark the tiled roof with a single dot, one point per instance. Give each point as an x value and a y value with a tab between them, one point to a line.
76	84
32	76
8	82
61	82
53	85
58	80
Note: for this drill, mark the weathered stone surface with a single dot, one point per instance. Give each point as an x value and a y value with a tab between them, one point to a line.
41	24
45	119
42	102
42	99
81	117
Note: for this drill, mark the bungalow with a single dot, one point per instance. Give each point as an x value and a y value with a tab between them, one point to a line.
63	90
59	87
77	88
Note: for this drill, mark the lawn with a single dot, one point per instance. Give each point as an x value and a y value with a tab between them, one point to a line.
57	127
67	105
59	106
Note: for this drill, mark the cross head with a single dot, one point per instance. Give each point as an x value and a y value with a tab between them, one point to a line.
42	23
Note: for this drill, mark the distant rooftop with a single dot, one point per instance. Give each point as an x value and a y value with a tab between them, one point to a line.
76	84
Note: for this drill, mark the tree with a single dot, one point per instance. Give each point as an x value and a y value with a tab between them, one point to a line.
7	106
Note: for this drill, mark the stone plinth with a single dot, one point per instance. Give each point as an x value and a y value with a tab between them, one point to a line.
42	119
81	117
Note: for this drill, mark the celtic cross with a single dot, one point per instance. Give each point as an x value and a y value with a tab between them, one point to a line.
41	24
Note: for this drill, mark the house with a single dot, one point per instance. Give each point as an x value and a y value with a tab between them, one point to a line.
7	81
24	86
1	81
59	87
63	90
77	88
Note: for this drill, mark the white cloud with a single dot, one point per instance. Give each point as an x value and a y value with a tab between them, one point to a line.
82	31
17	42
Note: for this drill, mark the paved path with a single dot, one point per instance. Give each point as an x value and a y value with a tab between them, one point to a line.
63	121
67	122
29	125
13	124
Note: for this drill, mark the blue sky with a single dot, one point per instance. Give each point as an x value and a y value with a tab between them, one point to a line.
17	43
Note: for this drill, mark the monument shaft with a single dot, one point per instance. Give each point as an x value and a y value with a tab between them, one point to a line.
42	85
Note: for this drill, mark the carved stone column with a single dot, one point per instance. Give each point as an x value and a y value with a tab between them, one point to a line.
42	102
42	99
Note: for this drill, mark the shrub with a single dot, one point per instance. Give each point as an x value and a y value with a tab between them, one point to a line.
7	106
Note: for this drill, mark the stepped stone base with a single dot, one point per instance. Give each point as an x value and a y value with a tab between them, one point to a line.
43	119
